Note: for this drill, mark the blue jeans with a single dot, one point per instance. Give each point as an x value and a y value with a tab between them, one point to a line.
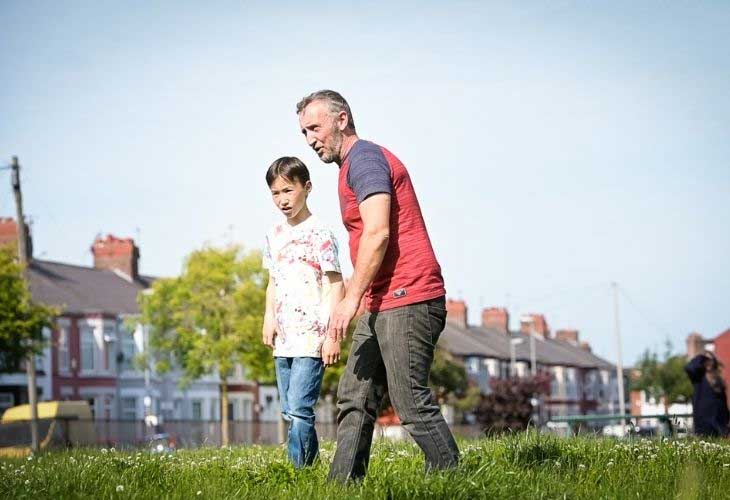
299	381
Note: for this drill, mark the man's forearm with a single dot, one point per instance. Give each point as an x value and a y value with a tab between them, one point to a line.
369	259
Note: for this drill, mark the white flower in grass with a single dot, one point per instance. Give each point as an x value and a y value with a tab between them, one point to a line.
27	481
30	458
120	488
726	465
581	466
199	493
104	450
610	464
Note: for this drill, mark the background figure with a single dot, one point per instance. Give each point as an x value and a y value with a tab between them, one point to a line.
709	403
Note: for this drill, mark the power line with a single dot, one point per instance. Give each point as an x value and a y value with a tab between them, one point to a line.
643	315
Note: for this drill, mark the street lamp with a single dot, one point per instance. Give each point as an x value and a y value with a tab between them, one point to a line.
513	355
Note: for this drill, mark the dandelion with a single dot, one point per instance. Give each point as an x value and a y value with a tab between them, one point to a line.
120	488
104	450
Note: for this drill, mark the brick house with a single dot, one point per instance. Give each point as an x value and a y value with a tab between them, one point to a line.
96	338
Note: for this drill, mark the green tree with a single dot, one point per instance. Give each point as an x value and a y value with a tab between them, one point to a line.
448	378
21	320
210	318
663	380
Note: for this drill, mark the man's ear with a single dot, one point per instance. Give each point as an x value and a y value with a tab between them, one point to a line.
342	121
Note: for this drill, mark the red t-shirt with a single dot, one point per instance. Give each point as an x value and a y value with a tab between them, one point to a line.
410	272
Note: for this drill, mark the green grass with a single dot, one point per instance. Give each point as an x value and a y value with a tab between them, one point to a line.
519	466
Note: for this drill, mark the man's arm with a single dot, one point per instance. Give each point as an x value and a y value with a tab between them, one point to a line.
269	331
375	214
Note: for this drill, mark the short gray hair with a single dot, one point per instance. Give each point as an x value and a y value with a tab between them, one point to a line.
336	103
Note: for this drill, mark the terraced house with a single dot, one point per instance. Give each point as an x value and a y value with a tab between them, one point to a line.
91	351
582	383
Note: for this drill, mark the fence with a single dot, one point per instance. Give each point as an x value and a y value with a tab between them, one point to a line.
180	433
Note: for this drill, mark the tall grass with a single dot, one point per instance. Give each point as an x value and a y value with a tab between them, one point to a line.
518	466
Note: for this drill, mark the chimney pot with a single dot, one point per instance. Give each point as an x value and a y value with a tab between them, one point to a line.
114	253
496	317
456	313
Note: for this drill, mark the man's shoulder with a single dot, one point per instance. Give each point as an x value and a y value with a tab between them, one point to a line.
363	148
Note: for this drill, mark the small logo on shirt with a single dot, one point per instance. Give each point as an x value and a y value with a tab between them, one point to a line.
401	292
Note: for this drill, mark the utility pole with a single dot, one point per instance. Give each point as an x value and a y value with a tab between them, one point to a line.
619	364
23	258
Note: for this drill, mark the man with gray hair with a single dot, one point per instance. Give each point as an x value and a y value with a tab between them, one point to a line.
396	270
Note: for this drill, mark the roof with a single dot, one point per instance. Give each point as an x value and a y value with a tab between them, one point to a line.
493	343
78	289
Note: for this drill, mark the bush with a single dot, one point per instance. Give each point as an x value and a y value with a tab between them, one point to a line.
508	407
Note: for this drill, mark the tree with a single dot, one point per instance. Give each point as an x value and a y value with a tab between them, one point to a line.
21	320
508	407
663	380
210	318
448	379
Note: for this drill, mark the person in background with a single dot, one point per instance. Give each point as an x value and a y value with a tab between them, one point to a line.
709	401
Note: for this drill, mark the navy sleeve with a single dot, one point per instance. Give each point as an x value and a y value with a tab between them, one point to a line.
369	172
696	368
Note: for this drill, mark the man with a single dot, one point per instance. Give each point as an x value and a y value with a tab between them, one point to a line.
396	270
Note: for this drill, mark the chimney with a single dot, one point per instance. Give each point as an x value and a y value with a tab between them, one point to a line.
9	234
456	313
536	323
120	254
695	345
496	317
570	336
585	346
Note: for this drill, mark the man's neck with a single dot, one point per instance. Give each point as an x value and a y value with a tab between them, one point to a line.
348	141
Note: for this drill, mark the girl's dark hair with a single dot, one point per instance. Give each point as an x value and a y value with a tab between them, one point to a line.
290	168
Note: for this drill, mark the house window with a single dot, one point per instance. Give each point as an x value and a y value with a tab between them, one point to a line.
87	349
197	406
129	351
7	400
129	408
64	359
177	410
110	341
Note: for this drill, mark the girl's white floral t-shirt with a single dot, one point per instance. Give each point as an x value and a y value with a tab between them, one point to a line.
297	258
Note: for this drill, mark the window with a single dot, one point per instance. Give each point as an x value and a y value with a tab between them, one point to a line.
129	350
197	406
64	360
7	400
129	408
110	341
178	409
87	349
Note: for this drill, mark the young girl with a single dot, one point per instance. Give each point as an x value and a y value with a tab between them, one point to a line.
305	283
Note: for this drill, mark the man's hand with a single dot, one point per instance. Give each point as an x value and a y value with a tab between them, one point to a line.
268	334
340	319
330	352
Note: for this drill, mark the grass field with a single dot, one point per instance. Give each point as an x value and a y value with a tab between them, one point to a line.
519	466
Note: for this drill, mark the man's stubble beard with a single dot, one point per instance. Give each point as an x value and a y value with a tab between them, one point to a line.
333	156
